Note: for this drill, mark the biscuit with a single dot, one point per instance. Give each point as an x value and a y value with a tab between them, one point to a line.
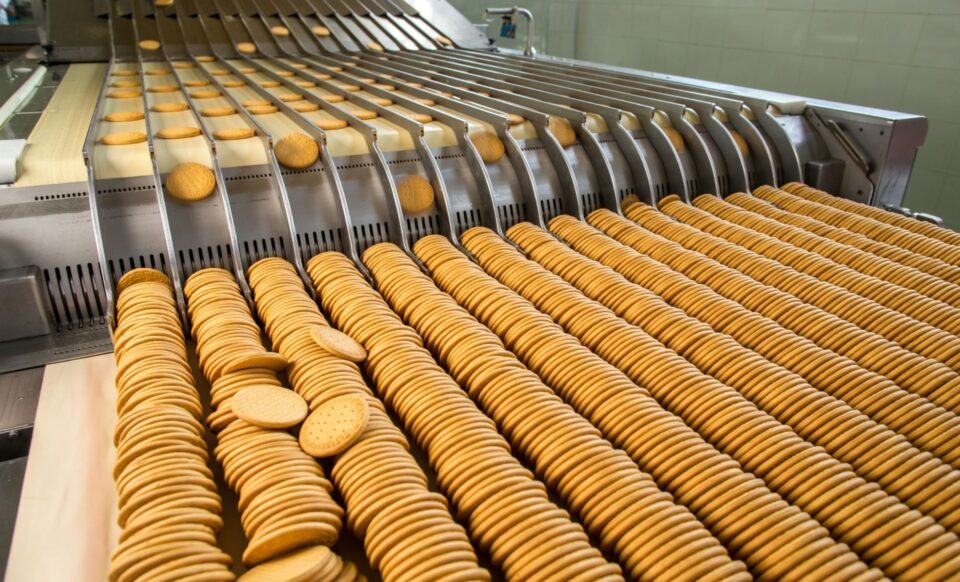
382	101
364	114
246	70
141	275
306	84
284	73
120	116
415	193
246	47
675	138
280	30
206	59
385	86
349	87
162	3
427	102
320	30
334	425
303	564
375	46
443	40
125	84
338	343
234	83
289	97
330	98
421	117
124	73
488	145
217	111
184	64
190	181
269	406
157	72
178	132
124	138
741	143
219	72
196	83
256	103
562	130
205	94
124	94
149	45
305	106
514	119
330	124
296	150
298	65
162	88
269	84
261	109
168	107
229	133
269	360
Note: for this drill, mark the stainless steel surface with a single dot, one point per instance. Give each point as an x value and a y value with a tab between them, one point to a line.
11	483
24	305
19	395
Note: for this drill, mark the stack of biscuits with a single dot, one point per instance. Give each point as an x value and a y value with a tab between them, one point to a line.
406	529
284	498
169	508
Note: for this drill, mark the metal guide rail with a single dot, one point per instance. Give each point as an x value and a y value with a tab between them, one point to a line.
412	93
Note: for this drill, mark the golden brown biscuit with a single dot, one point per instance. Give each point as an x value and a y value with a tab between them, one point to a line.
514	119
261	109
230	133
140	275
234	83
675	138
415	194
320	30
375	46
246	70
330	124
338	343
296	150
184	64
178	132
562	130
269	406
196	83
168	107
334	425
489	146
217	111
162	89
305	106
124	138
364	114
206	58
124	73
246	47
162	3
421	117
149	45
306	84
121	116
205	94
443	40
125	84
269	84
280	30
219	72
256	103
156	72
190	181
124	94
289	97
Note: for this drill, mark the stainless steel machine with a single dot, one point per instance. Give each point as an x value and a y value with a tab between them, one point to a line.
431	81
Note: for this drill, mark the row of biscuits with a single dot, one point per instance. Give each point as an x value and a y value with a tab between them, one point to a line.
915	235
928	378
284	496
855	512
926	425
755	524
919	479
765	200
389	505
740	228
920	338
633	517
508	512
169	508
929	286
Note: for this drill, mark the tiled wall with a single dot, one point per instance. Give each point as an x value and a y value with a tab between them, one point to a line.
894	54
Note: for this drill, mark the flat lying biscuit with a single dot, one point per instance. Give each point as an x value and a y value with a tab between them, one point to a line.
217	111
124	94
205	94
190	181
338	343
169	107
121	116
421	117
256	103
158	72
298	65
162	89
233	84
375	46
330	124
284	73
444	40
247	70
269	84
229	133
206	59
330	98
415	194
320	30
219	72
184	64
489	146
246	47
306	84
261	109
124	138
427	102
125	84
280	30
196	83
149	45
178	132
334	425
289	97
382	101
348	87
124	73
296	150
305	106
364	114
269	406
162	3
304	564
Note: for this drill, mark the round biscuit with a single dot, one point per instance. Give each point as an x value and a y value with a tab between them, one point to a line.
320	30
229	133
121	116
330	124
124	138
178	132
233	84
168	107
217	111
124	94
149	45
443	40
415	193
338	343
489	146
280	30
141	275
305	106
334	425
125	84
269	406
261	109
375	46
190	181
162	89
246	48
296	150
205	94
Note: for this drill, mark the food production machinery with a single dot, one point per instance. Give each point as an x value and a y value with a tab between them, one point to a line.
410	83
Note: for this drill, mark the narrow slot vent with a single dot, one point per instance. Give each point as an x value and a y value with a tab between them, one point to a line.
467	219
550	208
194	260
255	250
368	235
511	214
421	226
591	202
316	242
